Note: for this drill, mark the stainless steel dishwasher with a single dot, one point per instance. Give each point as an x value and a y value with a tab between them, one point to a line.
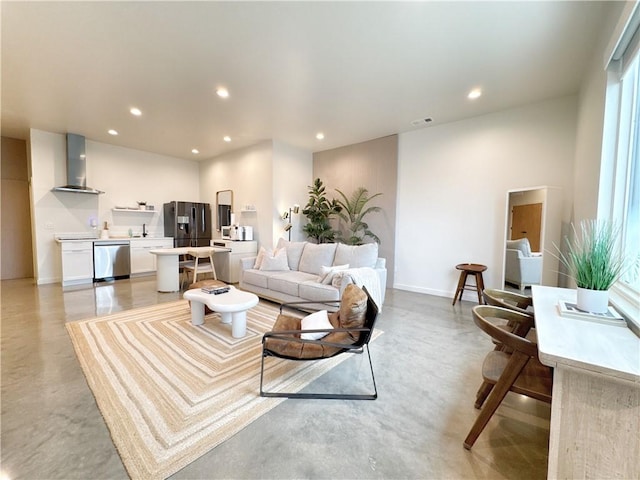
111	260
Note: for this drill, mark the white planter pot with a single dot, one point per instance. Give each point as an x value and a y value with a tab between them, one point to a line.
596	301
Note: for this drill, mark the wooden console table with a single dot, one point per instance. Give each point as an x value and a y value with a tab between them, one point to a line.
595	410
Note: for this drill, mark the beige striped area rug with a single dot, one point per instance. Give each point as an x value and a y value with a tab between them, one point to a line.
170	391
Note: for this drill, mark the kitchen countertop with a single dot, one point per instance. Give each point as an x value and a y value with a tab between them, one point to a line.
95	239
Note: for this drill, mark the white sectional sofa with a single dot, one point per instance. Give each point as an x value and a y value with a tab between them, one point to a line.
313	272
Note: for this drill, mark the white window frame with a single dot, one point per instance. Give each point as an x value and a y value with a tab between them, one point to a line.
620	127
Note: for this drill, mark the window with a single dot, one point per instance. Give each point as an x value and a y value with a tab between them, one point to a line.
620	178
628	185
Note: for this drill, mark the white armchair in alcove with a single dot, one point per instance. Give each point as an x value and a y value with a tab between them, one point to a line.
522	267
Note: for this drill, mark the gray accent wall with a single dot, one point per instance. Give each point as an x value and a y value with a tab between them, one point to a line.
373	165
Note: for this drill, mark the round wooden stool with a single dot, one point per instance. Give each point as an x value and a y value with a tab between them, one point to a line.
467	269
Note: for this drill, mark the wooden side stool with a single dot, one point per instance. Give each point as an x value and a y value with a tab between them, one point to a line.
467	269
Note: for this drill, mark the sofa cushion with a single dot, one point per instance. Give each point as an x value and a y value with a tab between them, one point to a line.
275	262
294	252
288	282
259	278
357	255
314	256
317	292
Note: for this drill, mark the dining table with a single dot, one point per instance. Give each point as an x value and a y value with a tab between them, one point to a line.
168	265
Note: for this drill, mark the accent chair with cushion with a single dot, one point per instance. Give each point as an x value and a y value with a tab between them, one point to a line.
522	267
320	335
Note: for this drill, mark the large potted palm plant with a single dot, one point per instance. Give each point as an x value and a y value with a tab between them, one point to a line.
354	209
594	260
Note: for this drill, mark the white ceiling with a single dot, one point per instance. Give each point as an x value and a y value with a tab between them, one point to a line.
355	71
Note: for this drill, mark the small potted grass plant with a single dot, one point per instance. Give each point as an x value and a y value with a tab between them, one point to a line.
595	262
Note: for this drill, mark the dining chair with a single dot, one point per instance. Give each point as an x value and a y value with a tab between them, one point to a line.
511	300
183	261
197	266
518	303
518	371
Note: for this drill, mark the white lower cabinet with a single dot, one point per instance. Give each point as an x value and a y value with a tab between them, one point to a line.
228	264
142	261
77	263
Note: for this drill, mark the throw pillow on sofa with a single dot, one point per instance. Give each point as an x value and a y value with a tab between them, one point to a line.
327	273
294	251
275	262
261	253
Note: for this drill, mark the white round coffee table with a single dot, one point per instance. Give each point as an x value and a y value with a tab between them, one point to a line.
232	307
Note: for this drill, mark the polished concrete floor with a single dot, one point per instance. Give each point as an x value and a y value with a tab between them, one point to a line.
427	366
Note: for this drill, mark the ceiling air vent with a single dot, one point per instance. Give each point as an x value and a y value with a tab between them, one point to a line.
421	122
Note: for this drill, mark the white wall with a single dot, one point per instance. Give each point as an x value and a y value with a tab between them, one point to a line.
452	184
248	172
128	176
590	124
270	175
125	175
292	174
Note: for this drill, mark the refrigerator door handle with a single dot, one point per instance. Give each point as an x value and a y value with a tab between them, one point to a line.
204	224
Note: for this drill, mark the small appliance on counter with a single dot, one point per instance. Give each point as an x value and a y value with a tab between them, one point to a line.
241	233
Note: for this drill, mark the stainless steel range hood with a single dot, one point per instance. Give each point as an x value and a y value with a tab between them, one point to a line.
76	167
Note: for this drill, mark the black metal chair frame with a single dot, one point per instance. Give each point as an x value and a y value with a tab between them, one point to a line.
357	347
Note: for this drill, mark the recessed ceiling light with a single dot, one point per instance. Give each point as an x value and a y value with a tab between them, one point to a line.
226	138
320	136
113	132
475	93
222	92
195	151
135	111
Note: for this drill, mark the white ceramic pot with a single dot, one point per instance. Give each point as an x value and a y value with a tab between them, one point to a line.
596	301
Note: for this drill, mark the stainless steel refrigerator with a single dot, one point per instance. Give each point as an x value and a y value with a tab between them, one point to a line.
189	223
